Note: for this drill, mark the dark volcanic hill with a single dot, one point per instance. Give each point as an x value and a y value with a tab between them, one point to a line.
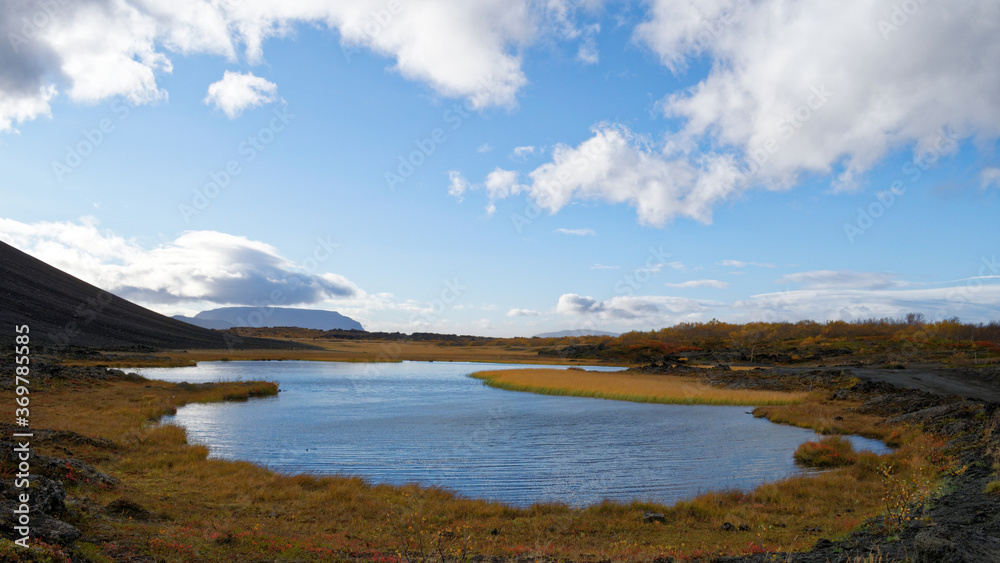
63	311
260	317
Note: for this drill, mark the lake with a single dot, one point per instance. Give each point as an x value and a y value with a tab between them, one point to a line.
428	422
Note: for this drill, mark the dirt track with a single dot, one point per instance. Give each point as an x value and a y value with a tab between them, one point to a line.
938	380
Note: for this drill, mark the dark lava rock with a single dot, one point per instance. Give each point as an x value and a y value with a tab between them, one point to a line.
46	498
73	470
935	545
43	527
654	517
823	543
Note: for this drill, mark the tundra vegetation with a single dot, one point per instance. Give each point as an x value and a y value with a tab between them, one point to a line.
172	502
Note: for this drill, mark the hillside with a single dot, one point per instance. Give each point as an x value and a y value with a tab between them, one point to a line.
64	311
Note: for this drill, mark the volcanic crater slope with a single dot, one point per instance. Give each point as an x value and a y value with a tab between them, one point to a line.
63	312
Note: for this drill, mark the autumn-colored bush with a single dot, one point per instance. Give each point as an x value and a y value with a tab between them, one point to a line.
831	451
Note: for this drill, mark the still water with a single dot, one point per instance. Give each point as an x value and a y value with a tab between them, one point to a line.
428	422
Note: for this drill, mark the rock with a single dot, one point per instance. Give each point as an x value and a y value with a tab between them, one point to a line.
932	545
744	528
651	517
47	495
73	470
727	527
823	543
936	545
43	527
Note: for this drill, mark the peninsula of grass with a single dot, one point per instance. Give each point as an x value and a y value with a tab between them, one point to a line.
626	386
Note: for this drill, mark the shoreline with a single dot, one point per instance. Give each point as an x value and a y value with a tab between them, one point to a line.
619	517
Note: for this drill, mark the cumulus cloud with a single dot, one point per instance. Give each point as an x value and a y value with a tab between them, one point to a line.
774	106
829	279
98	49
238	91
577	232
197	266
700	283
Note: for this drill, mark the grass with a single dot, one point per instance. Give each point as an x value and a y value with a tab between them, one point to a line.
338	351
831	451
221	511
622	386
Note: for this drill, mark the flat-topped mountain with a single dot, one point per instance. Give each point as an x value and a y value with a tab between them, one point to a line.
262	317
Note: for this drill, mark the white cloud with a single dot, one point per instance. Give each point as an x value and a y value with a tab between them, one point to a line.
776	106
484	148
603	267
989	177
972	302
523	313
587	53
238	91
577	232
885	91
196	267
831	279
523	152
679	266
645	311
457	185
700	283
499	184
103	48
742	264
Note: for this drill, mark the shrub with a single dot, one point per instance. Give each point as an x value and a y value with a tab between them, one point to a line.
831	451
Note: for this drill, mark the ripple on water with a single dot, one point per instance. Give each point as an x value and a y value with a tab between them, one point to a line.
427	422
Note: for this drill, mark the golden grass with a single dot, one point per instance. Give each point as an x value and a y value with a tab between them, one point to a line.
221	511
623	386
341	351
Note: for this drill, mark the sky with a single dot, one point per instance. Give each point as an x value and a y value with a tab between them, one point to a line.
510	167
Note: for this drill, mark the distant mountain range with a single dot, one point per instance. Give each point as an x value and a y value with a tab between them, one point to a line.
261	317
575	332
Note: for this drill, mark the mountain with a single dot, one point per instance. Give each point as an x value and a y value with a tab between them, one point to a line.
260	317
63	311
575	332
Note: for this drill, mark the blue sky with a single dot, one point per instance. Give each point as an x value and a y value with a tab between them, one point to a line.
510	168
